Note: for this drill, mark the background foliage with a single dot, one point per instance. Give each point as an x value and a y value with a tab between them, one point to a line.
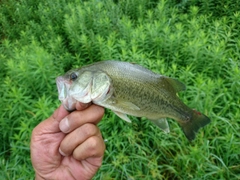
196	41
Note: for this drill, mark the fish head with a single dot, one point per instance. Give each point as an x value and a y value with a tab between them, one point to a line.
83	86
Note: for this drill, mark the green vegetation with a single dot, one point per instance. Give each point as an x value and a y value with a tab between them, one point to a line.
197	42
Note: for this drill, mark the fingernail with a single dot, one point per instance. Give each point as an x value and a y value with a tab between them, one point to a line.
64	125
84	105
62	153
81	106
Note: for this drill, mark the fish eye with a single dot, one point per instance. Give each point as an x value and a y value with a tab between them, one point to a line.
73	76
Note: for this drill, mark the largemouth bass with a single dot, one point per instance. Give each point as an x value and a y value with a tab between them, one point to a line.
130	89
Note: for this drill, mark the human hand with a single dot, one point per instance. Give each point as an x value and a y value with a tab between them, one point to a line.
68	145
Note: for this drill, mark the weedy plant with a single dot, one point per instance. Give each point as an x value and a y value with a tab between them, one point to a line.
196	42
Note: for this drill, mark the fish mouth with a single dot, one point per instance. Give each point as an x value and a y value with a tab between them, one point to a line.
63	87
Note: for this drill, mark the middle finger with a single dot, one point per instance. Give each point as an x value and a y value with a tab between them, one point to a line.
77	137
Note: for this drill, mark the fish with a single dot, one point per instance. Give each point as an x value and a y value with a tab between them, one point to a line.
130	89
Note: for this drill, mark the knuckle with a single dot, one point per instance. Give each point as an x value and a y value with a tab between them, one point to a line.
90	129
93	145
93	142
96	146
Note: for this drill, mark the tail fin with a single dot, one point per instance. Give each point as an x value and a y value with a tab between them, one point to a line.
191	127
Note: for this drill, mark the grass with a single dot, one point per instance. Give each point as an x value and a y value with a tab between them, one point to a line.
196	42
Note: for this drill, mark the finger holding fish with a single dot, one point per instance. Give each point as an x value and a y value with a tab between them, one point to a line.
78	118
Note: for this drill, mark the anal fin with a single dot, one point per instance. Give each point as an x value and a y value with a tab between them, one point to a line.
128	105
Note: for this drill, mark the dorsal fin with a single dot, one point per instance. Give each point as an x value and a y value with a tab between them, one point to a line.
177	85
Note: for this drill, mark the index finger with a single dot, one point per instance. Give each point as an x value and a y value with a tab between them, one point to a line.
93	114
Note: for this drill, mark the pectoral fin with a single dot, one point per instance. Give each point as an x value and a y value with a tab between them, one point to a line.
122	116
128	105
162	124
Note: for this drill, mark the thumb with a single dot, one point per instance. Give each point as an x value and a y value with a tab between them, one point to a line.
60	113
51	124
